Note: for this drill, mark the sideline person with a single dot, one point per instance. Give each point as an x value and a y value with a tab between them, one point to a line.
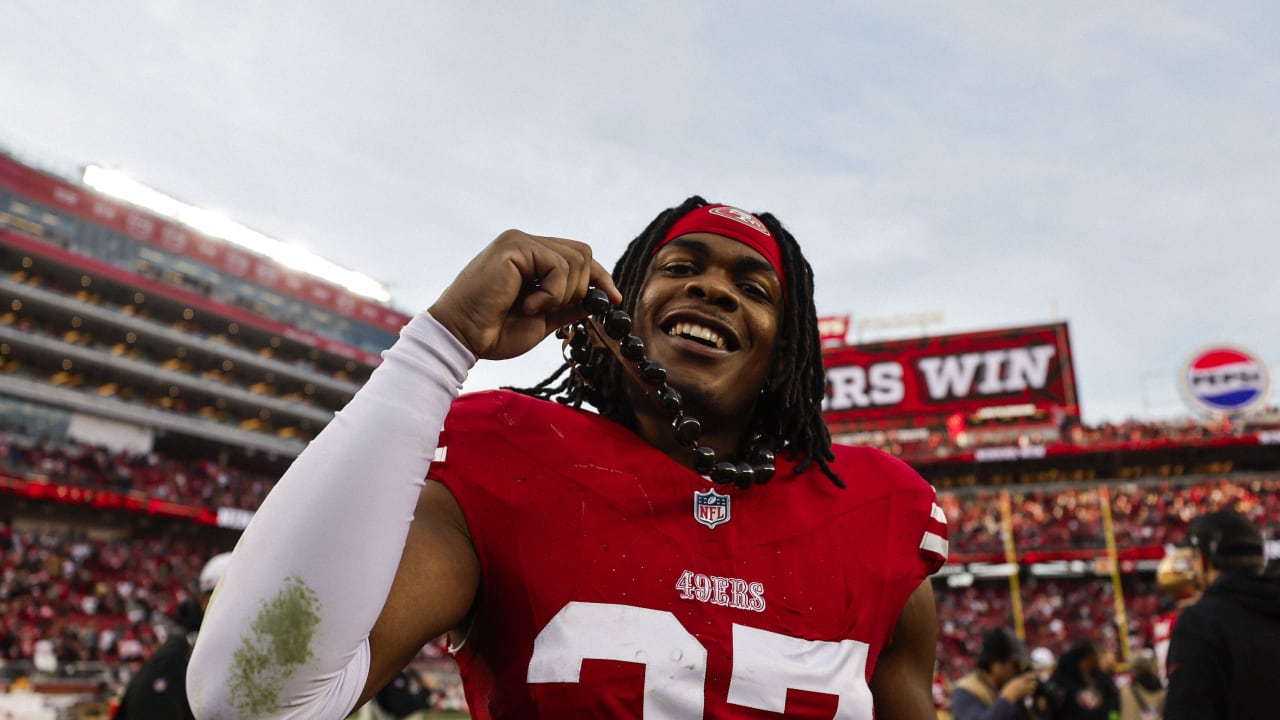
1000	684
1081	686
1225	649
693	547
158	689
1143	697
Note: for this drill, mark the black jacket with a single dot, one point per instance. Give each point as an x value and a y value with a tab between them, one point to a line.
404	696
1072	697
159	690
1225	651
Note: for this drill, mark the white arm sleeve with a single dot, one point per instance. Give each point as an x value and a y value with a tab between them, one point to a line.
287	632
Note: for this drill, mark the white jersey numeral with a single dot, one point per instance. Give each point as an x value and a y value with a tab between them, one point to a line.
675	662
765	664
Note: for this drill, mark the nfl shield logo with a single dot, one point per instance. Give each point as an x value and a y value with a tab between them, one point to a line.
710	508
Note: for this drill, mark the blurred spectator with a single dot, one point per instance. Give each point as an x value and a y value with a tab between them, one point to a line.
1226	647
407	695
159	690
1000	686
1081	688
1143	697
1179	580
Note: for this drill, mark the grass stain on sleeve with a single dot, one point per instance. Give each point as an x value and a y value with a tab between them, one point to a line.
278	641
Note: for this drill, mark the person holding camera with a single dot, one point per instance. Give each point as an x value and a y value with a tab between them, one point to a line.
1000	684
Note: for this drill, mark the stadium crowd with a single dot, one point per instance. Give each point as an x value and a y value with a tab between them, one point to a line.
1057	613
152	475
68	599
918	446
1063	518
72	604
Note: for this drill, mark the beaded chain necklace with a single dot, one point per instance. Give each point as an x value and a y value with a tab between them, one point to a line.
611	327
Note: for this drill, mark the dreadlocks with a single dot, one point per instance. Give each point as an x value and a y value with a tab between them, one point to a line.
789	408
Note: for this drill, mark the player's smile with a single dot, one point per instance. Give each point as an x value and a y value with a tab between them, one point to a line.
703	334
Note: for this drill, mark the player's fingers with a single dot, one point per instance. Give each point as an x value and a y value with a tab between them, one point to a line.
600	277
563	270
513	250
579	273
594	275
547	286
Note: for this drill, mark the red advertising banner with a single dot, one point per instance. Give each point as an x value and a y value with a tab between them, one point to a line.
1020	374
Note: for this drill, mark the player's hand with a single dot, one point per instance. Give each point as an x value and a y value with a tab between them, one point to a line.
1019	687
518	290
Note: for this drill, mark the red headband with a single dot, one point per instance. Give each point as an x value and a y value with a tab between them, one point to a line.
732	223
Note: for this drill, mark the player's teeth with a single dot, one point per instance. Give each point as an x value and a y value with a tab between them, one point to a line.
702	333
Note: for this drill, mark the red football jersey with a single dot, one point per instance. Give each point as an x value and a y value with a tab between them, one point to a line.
1161	634
618	583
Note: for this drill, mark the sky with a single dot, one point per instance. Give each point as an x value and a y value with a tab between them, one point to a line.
1112	165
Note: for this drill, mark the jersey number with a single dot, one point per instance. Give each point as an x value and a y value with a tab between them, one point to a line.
765	664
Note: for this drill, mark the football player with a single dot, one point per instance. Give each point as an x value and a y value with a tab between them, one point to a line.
693	547
1179	579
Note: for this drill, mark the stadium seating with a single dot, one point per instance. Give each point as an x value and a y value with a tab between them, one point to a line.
70	599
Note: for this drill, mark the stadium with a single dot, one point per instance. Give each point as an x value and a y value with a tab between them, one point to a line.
161	368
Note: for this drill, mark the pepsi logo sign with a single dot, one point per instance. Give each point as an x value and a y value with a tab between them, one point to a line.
1225	380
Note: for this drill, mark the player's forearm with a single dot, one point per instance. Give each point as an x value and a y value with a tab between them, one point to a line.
287	632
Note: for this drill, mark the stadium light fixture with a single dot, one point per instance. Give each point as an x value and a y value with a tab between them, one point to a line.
213	224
